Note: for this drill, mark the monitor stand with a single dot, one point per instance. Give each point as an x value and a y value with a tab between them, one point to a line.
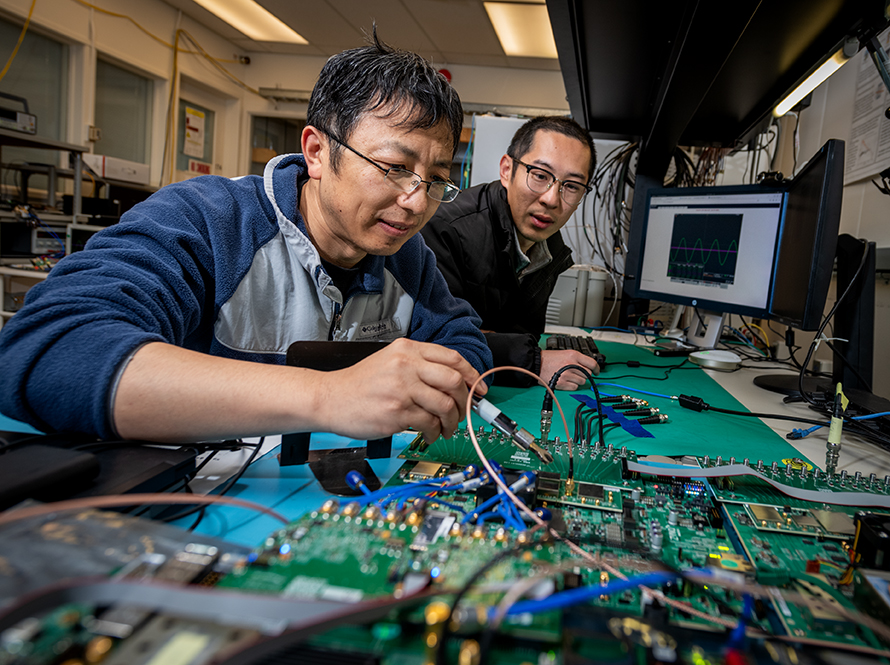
789	384
705	329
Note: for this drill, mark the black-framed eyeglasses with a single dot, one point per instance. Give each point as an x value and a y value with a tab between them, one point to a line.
541	180
407	181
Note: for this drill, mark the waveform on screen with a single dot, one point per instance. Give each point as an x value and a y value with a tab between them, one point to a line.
710	258
723	255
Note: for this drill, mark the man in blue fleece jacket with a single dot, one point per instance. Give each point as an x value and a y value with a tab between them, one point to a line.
173	324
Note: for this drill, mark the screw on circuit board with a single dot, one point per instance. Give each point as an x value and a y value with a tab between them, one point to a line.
760	465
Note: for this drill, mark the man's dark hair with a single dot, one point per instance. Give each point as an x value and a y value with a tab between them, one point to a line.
386	80
525	136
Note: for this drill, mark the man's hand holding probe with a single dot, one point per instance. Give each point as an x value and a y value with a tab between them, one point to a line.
406	384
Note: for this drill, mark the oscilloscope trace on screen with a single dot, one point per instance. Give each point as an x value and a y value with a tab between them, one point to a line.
704	248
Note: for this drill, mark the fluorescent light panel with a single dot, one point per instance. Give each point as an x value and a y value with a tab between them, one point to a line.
523	29
811	83
253	20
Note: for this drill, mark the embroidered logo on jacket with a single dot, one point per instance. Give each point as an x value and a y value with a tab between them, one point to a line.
379	329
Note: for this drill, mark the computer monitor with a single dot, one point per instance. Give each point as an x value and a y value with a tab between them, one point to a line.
756	250
808	240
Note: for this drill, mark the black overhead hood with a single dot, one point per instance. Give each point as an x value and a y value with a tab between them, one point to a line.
695	72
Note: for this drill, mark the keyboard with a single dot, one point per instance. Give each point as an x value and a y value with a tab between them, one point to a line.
584	345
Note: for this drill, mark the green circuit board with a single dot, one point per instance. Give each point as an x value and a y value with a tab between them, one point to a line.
415	539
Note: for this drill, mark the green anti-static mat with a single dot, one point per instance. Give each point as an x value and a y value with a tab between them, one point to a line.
686	433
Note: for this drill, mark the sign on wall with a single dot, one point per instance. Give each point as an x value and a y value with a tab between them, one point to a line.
868	150
195	138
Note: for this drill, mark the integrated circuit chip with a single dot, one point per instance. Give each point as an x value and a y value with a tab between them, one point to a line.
548	486
425	471
435	525
832	522
766	514
590	491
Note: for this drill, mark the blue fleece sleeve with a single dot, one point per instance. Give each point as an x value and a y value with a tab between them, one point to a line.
147	278
438	316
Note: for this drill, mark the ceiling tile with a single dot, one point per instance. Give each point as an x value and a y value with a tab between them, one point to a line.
457	26
395	24
317	21
443	31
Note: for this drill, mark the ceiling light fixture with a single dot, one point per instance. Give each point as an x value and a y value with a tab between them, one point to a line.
522	28
253	20
813	81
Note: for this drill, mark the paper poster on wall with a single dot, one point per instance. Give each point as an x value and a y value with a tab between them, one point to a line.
868	150
194	133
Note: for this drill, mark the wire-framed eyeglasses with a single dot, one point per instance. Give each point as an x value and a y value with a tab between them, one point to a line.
541	180
407	181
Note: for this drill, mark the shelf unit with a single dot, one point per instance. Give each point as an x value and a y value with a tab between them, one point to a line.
8	274
17	139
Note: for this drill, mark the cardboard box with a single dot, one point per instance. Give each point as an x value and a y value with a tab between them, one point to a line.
118	169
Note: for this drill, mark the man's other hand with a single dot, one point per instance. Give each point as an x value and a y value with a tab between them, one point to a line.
406	384
571	379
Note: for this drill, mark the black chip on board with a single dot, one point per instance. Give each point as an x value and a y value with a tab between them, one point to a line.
590	491
548	485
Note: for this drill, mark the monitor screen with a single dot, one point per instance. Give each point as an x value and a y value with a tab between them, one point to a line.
754	250
711	247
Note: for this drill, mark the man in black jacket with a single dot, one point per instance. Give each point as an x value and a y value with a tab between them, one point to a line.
499	247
